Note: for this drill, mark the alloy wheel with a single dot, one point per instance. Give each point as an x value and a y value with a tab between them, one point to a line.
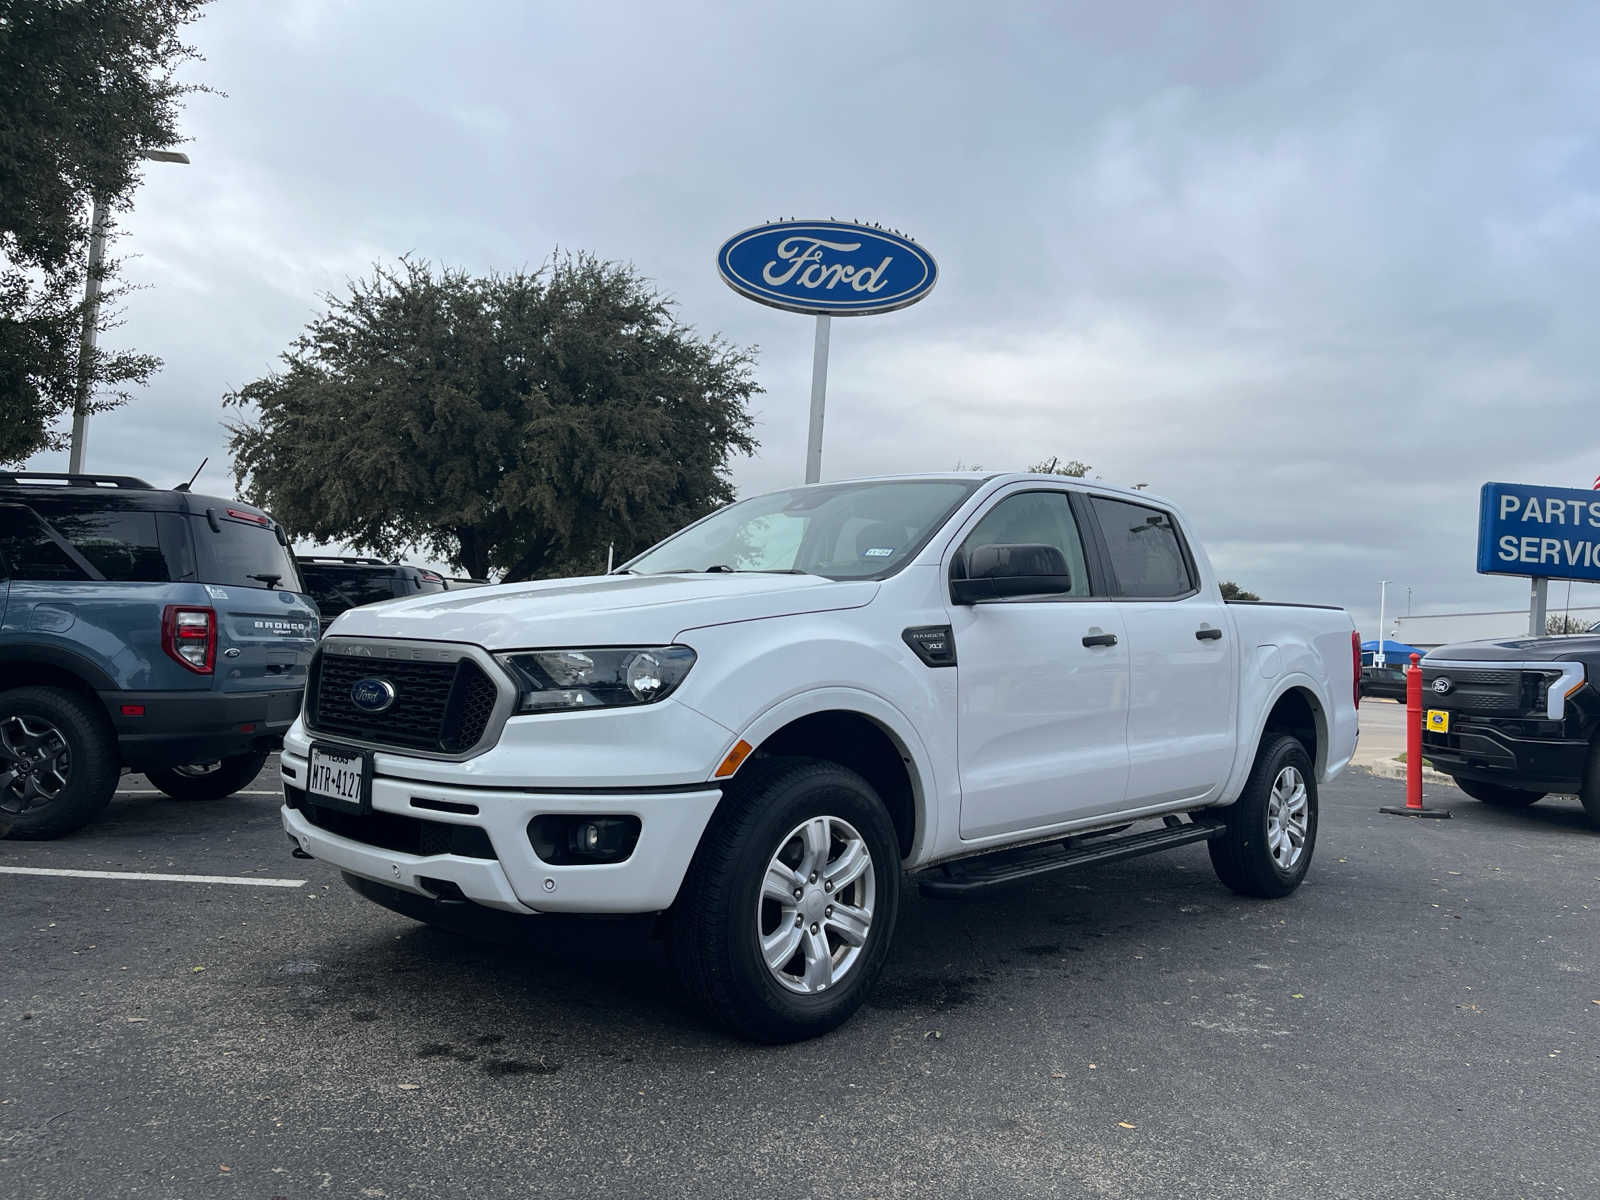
35	763
814	914
1288	818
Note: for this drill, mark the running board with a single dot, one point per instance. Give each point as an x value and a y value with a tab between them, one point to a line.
1007	866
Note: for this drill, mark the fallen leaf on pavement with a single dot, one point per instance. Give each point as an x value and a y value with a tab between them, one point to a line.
1125	1125
411	1087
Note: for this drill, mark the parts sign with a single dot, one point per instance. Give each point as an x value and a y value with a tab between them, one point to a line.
1541	532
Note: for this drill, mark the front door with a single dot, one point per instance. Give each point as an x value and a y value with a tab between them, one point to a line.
1184	666
1042	684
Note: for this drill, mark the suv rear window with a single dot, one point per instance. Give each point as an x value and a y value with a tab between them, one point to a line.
78	543
243	554
336	589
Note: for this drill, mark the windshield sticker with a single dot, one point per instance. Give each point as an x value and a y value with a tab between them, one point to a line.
878	552
216	593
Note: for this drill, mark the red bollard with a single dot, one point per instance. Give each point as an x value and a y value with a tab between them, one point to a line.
1414	734
1413	806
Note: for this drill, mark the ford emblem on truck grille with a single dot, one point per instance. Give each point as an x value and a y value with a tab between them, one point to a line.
1441	685
372	695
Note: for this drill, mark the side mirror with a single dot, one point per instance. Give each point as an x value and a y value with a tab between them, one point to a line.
1000	572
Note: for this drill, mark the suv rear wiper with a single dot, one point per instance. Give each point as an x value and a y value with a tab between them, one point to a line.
271	581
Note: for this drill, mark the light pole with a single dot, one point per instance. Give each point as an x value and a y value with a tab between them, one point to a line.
1378	659
91	317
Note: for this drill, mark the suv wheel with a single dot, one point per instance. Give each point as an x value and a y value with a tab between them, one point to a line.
58	762
1500	797
1271	829
785	918
209	781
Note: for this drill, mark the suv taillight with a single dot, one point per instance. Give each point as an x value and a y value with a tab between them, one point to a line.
1355	665
189	636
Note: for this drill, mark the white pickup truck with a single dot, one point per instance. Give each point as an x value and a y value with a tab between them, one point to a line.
762	726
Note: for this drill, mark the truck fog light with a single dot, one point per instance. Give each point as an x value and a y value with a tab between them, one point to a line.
571	840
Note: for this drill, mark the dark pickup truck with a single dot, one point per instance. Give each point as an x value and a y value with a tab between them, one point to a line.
1514	721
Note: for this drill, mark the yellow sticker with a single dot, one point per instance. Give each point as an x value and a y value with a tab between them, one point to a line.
1438	721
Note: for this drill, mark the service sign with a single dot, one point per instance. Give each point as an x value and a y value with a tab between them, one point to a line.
1542	532
834	268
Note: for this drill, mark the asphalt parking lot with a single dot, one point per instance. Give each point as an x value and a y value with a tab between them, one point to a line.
1421	1019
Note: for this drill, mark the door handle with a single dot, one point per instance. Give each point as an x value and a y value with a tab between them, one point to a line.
1208	635
1100	639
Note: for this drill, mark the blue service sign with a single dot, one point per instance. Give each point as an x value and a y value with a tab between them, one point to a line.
835	267
1542	532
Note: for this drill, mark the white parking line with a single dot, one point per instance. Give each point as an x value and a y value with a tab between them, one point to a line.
142	794
151	878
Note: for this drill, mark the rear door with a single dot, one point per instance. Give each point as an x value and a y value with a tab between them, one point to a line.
1042	684
1183	675
267	626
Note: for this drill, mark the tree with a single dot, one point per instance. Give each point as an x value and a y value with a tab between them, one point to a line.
1053	465
1232	591
515	424
86	87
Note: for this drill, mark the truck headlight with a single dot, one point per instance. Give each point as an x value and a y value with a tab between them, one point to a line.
568	680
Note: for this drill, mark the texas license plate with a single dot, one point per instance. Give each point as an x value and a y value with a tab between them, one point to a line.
340	778
1438	721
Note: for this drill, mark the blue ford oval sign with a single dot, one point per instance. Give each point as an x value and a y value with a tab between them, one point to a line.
827	267
372	695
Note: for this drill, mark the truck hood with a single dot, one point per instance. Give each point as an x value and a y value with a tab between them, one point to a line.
1546	649
603	610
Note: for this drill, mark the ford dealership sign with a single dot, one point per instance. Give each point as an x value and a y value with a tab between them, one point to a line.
833	268
1543	532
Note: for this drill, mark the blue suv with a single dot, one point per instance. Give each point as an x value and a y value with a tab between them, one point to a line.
141	628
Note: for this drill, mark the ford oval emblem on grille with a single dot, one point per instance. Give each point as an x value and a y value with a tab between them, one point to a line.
1440	685
372	695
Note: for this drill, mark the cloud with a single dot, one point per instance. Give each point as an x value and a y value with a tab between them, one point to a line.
1314	273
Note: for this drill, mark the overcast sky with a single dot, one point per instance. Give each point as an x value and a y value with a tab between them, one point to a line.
1313	271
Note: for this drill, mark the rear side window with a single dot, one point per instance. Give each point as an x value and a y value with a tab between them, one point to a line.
242	554
336	589
1147	554
77	544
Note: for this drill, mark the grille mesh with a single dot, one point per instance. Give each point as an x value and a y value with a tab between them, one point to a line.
438	707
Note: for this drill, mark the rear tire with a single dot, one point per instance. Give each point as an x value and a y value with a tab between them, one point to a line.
771	966
58	762
1270	831
1498	796
209	781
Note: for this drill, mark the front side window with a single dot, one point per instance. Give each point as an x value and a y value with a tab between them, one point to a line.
1035	519
1146	553
839	531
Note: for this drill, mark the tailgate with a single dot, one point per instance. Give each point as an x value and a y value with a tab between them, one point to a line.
264	639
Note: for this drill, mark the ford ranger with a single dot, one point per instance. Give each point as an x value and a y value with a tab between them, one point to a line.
760	727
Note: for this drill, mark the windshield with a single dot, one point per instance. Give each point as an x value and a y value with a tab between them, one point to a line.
840	531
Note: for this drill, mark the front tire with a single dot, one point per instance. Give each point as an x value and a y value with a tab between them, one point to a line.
58	762
1590	792
1270	831
771	964
1499	797
209	781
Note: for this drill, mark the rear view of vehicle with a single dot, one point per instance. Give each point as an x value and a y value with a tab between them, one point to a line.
140	628
340	584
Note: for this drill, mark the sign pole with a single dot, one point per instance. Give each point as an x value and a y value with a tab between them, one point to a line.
1536	608
819	390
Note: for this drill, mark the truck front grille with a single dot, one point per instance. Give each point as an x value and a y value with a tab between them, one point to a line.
438	707
1493	693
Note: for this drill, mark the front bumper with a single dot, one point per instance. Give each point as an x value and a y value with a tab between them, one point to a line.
177	728
1516	754
428	844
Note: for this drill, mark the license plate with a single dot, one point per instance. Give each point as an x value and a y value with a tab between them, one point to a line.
1438	721
340	778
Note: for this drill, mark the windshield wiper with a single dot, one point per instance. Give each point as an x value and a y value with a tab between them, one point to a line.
271	581
720	569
